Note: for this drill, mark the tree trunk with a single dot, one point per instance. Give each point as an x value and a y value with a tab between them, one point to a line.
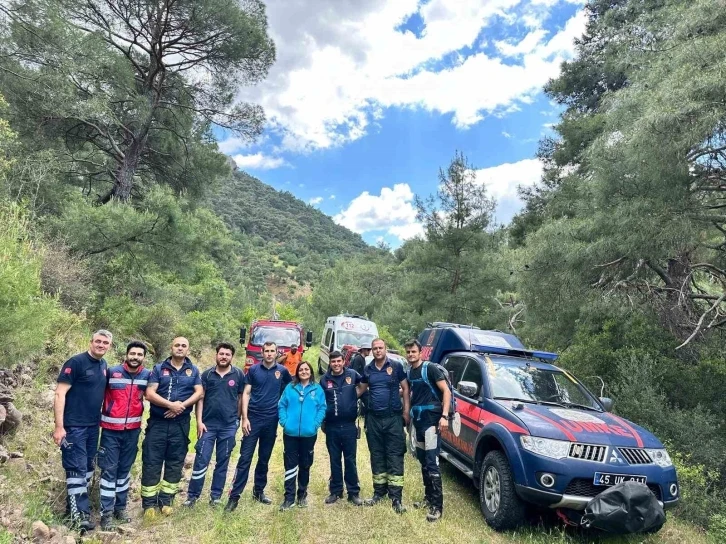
123	183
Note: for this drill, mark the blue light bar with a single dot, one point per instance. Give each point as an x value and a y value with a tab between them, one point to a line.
544	355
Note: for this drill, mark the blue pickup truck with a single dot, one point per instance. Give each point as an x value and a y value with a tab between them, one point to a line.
527	431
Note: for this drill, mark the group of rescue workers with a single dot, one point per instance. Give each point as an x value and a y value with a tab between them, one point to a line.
224	398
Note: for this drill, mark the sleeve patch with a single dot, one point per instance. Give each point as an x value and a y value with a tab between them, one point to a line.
67	370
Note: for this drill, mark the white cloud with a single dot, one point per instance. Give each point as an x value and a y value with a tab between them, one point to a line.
315	200
232	144
503	180
341	62
506	134
258	161
332	197
391	211
406	232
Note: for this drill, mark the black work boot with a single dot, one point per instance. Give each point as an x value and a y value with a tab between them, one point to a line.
261	497
106	521
231	505
286	505
379	493
332	498
86	524
355	500
398	506
434	514
122	516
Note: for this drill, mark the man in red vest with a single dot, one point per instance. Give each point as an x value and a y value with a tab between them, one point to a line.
123	405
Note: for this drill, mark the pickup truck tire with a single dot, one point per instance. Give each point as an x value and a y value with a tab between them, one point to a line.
320	367
498	499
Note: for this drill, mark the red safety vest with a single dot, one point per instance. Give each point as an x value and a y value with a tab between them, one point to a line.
123	402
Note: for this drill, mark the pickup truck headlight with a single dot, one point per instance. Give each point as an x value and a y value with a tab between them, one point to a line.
556	449
660	457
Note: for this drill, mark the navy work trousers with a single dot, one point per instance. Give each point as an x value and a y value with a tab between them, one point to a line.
221	437
164	449
264	431
116	456
78	457
428	444
298	458
341	441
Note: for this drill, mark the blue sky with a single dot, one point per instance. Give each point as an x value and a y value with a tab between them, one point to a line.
367	100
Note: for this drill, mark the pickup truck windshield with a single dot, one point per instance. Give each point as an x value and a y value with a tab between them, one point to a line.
531	384
343	337
281	337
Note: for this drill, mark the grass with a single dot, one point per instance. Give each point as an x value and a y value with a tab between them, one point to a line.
253	522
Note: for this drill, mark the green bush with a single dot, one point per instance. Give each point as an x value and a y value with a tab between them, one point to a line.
702	499
27	314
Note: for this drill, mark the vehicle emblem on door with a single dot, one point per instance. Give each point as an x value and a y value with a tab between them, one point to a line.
456	424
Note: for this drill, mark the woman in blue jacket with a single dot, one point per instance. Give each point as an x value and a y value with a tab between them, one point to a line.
302	410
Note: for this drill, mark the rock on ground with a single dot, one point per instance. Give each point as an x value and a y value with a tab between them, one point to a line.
39	532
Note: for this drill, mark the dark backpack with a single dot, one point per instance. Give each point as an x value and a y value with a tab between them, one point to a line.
416	410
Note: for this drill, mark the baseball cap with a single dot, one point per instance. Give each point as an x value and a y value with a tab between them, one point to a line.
366	344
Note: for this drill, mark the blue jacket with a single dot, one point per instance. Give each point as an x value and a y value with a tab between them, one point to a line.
302	418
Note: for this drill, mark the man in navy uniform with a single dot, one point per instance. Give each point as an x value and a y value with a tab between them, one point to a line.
123	406
218	415
77	409
265	382
174	388
387	413
341	435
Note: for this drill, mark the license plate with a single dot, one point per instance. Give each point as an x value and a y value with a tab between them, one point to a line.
607	479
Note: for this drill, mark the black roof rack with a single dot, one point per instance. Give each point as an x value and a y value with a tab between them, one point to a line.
444	324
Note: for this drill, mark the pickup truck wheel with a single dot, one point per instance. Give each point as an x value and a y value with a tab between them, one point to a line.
499	503
320	367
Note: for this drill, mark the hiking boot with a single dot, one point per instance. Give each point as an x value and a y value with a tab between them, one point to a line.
332	498
375	499
106	521
86	524
122	516
189	503
398	507
355	500
261	497
286	505
302	502
434	514
215	502
231	505
149	514
167	510
418	505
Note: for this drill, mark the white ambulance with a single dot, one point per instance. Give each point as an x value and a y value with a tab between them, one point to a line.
344	330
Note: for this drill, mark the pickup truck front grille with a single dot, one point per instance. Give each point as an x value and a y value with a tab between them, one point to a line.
636	456
588	452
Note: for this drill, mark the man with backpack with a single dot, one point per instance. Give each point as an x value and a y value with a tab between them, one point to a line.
431	407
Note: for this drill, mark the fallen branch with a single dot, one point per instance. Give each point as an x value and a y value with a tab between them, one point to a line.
700	321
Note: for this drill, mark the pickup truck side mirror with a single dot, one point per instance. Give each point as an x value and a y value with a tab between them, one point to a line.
607	403
468	389
242	335
309	339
